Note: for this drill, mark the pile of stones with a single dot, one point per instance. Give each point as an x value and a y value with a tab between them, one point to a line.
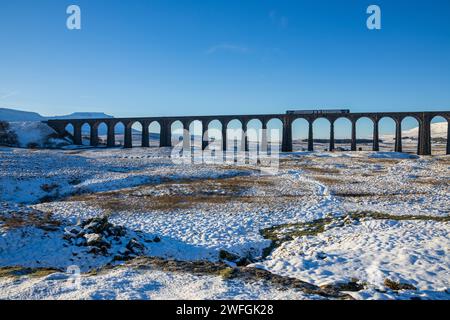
102	237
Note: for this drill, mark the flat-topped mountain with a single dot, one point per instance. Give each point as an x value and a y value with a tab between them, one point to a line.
12	115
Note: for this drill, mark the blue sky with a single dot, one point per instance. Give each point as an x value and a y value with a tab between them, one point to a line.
191	57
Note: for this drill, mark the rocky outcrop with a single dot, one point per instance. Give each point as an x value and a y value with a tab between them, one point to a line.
7	136
102	237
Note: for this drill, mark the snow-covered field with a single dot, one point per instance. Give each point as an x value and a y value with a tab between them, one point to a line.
219	214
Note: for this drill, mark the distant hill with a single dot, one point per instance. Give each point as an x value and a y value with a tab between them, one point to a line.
12	115
83	115
438	131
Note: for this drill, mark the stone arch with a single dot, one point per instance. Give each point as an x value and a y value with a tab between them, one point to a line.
196	134
154	129
386	127
254	134
214	131
86	133
234	135
343	133
136	133
119	133
70	129
101	129
409	134
300	129
439	135
364	133
176	132
321	129
274	131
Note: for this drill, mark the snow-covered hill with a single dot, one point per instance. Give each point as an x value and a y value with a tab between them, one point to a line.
17	115
31	132
438	130
83	115
11	115
35	134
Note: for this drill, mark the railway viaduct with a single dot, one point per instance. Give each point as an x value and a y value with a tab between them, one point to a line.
423	118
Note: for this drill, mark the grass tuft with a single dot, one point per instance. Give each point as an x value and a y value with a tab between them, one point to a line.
397	286
10	272
227	273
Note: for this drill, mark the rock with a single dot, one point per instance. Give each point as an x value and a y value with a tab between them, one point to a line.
96	240
73	230
68	236
92	238
225	255
80	241
117	231
98	250
99	236
321	255
122	257
135	247
96	225
352	286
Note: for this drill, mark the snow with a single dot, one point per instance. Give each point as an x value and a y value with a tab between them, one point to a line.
128	283
371	251
38	133
13	115
403	251
392	155
438	130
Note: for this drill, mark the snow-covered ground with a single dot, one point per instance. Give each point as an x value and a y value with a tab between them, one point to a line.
197	211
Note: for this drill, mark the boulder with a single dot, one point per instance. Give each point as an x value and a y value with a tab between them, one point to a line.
135	247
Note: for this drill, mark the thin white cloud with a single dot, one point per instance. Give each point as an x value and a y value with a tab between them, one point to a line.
279	20
227	47
9	94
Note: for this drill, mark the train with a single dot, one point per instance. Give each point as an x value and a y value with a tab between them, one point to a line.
329	111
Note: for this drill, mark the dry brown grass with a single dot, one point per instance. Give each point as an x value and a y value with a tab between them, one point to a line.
349	194
36	219
329	180
444	160
320	169
379	196
379	160
431	182
397	286
180	195
161	203
12	272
